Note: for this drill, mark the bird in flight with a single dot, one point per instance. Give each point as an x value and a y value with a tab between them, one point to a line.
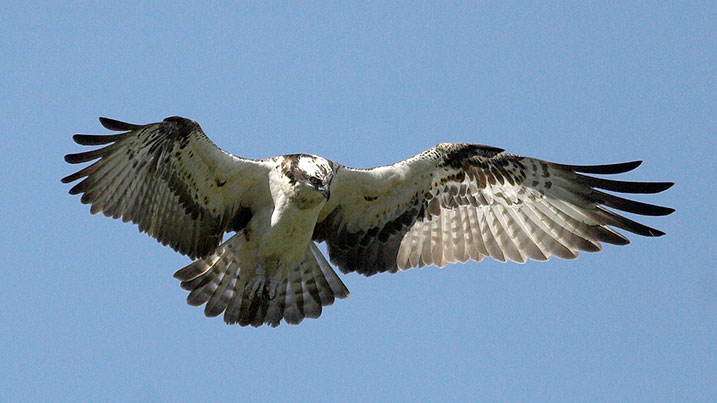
451	203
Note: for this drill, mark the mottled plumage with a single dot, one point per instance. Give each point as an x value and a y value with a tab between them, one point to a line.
451	203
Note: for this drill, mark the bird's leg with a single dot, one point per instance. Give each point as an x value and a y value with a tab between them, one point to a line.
256	284
270	289
262	286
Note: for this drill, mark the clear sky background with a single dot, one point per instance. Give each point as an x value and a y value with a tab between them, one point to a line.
88	306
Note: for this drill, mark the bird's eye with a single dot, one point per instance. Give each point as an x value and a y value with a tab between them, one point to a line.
315	181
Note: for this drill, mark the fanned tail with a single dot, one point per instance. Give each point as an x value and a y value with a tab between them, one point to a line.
224	284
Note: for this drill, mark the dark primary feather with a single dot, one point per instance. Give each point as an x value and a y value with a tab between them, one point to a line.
117	126
629	206
605	169
95	139
624	187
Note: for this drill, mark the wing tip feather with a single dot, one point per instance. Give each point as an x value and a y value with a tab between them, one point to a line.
652	232
116	125
624	186
75	158
605	169
78	158
69	178
95	139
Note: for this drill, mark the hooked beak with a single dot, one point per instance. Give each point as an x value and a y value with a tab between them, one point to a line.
325	191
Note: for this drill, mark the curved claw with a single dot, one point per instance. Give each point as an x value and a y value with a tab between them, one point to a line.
267	295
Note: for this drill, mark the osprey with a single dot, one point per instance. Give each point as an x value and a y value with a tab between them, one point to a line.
451	203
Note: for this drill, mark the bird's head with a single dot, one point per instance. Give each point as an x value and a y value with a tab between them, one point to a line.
309	176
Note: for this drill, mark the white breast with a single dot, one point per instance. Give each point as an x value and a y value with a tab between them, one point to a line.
282	234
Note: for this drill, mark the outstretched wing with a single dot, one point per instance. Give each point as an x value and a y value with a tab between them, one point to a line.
171	180
460	202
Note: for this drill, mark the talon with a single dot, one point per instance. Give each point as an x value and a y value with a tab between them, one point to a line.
256	285
266	295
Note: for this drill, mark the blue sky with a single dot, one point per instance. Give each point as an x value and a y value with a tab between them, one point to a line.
89	308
